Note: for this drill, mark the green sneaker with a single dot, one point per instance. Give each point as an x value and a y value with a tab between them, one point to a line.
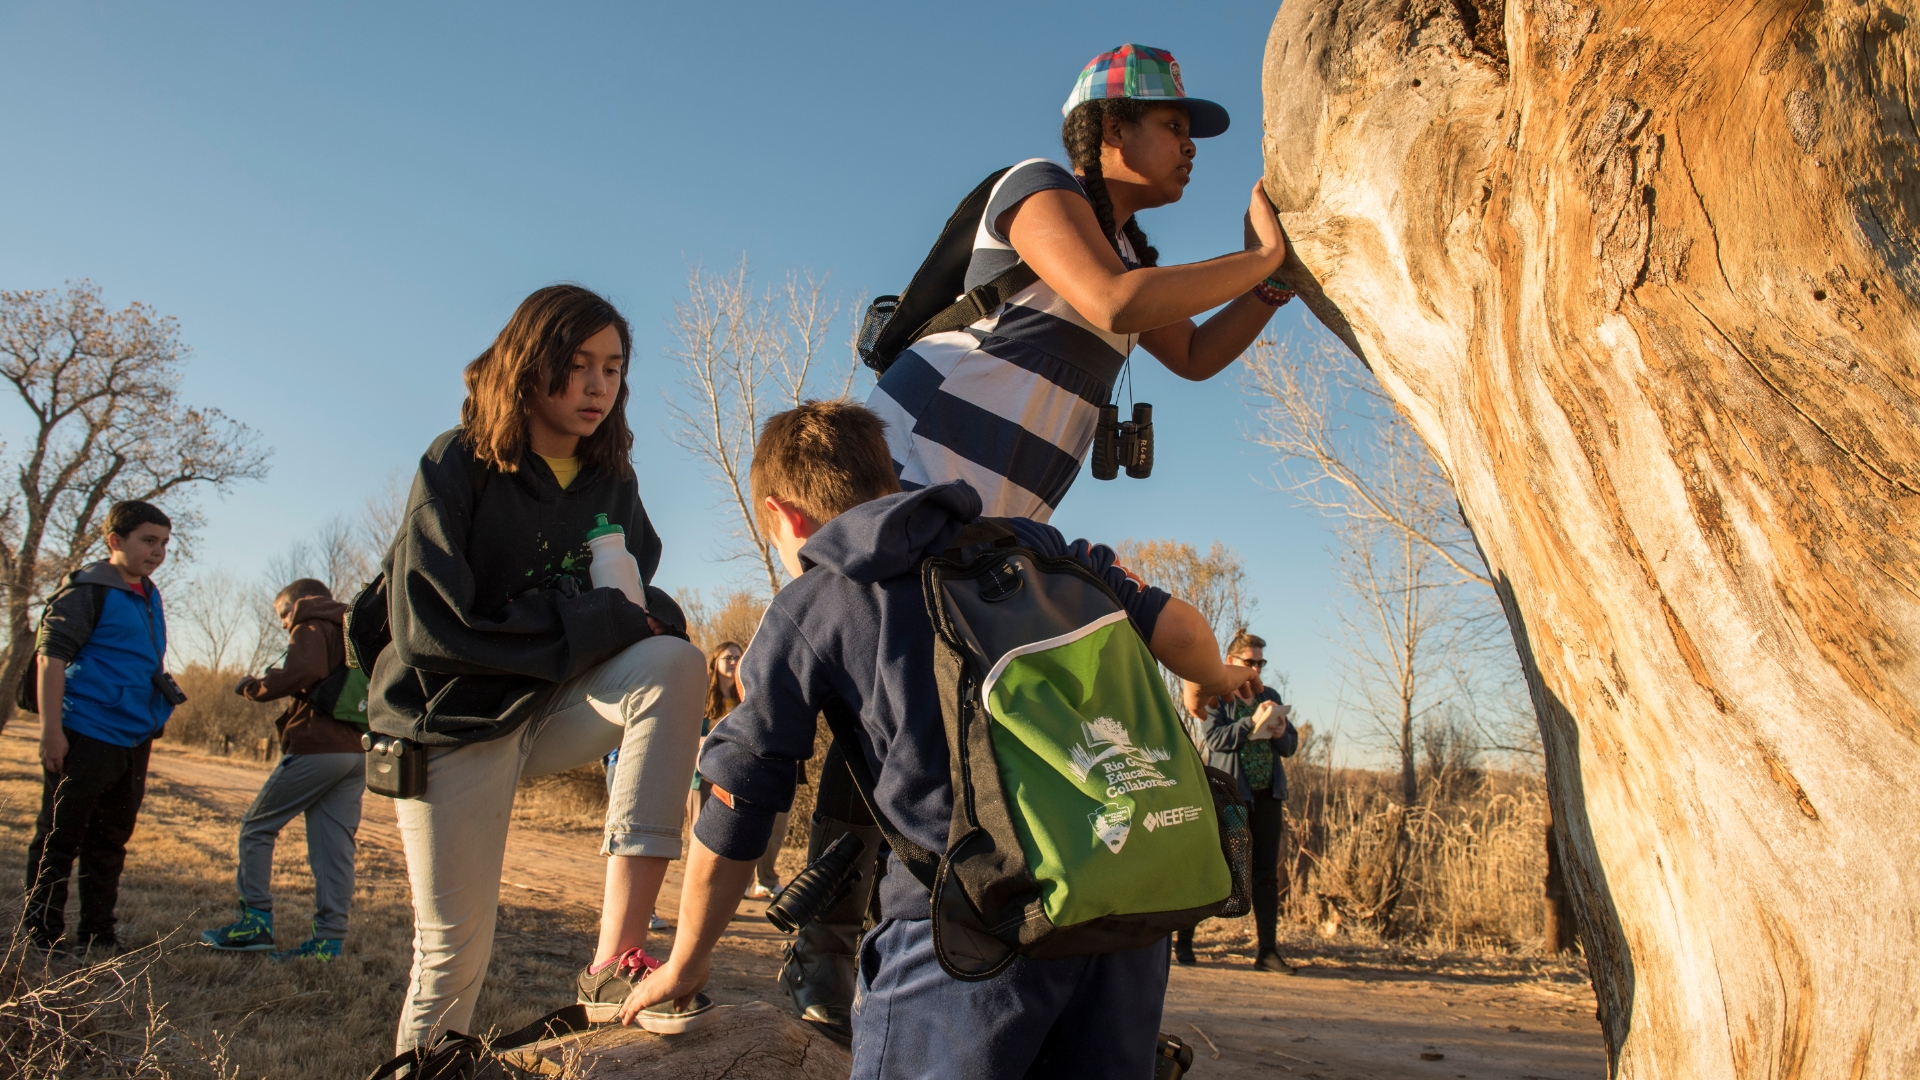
252	933
322	949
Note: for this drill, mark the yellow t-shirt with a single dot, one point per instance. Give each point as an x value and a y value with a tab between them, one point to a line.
564	469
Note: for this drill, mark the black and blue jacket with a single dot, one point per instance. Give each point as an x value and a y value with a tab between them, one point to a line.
854	627
113	641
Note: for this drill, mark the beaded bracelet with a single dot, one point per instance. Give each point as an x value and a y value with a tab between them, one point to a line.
1272	293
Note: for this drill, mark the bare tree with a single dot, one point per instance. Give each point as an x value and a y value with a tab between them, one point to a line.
1310	402
745	355
214	610
1424	623
107	423
733	617
1400	624
345	553
1214	583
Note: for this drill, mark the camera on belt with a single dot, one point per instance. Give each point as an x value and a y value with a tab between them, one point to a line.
1124	444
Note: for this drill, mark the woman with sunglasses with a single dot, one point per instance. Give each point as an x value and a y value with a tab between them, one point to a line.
1245	735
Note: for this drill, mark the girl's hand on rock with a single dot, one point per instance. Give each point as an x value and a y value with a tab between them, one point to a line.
1263	230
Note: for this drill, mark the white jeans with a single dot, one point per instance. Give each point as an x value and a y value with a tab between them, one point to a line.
647	700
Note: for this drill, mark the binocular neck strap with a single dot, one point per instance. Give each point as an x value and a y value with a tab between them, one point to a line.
920	862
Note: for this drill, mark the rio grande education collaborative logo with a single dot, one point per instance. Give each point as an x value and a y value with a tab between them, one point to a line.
1124	766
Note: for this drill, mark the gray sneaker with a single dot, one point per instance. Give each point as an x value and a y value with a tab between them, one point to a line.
671	1018
604	991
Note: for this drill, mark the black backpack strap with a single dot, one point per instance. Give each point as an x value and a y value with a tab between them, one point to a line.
980	531
978	302
568	1021
454	1057
26	696
920	862
457	1055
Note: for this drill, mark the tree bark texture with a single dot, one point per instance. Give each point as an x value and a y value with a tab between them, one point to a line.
1646	277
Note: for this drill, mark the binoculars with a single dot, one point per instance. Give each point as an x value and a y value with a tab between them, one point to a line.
820	886
1125	444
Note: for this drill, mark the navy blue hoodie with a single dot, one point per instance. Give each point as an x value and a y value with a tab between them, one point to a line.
855	627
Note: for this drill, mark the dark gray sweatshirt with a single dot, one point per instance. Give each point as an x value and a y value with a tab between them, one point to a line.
489	598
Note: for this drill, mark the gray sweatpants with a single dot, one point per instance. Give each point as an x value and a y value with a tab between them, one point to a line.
646	701
326	788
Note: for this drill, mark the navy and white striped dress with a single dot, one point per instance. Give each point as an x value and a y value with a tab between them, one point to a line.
1008	404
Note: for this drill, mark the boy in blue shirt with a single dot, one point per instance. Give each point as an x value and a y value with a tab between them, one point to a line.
103	695
853	627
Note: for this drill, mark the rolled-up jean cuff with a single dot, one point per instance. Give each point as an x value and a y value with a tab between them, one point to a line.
641	842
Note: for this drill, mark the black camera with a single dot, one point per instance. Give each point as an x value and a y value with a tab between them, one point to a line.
396	768
821	885
1171	1058
170	691
1127	444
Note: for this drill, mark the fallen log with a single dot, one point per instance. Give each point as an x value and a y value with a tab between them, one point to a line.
755	1041
1646	278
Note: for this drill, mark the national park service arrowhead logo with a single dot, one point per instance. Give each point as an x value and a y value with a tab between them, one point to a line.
1111	823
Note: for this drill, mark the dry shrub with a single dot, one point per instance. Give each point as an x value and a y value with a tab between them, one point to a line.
216	719
576	798
1463	869
239	1015
734	616
61	1018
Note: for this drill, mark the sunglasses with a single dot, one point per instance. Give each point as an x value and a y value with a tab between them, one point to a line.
1244	662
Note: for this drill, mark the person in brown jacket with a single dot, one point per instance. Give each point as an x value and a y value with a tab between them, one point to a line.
322	774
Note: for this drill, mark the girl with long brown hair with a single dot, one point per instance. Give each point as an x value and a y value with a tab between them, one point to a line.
723	693
507	662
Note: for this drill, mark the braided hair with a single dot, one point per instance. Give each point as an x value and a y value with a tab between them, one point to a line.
1083	133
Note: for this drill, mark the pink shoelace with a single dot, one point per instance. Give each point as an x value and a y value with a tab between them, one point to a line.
632	962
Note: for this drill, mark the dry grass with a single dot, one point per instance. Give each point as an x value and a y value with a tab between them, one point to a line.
1457	885
1463	869
174	1009
216	719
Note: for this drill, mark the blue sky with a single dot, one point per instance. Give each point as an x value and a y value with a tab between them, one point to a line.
342	205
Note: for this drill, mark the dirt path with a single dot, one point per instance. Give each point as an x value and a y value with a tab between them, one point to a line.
1339	1018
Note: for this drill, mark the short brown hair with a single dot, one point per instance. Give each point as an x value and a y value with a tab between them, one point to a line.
825	457
534	355
1243	640
304	588
130	514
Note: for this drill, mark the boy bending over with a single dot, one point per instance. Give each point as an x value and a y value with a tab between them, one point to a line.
853	626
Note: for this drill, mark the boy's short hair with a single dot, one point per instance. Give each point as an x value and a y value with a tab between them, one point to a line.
126	516
825	457
1243	641
302	589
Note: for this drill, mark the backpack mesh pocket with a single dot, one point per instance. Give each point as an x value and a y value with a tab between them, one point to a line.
879	314
1236	842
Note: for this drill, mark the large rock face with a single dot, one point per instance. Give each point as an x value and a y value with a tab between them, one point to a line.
1646	278
748	1042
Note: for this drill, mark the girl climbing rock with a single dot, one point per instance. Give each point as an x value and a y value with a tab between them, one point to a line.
1009	404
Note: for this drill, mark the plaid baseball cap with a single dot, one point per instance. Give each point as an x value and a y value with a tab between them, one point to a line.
1145	74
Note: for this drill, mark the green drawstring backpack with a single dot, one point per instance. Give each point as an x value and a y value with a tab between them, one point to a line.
1083	819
